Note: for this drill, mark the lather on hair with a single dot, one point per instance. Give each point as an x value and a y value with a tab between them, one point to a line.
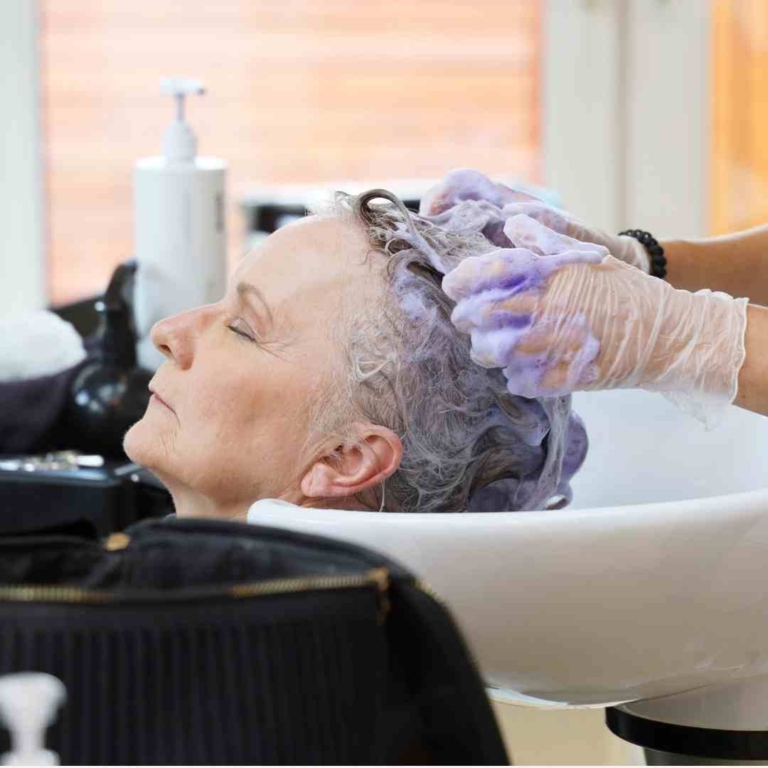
468	443
208	642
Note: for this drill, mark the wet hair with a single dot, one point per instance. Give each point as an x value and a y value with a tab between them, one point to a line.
468	444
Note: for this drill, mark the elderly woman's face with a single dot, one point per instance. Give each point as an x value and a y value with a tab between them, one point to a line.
228	420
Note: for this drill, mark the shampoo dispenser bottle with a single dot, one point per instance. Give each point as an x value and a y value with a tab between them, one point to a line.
180	233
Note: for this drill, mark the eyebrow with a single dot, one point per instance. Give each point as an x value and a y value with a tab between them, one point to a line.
248	291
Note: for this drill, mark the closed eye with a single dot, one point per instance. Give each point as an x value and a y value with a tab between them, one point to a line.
240	331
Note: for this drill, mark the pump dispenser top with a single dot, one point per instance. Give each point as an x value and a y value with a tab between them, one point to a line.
179	142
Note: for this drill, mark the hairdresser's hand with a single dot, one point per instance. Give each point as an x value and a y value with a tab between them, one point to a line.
560	316
468	184
622	247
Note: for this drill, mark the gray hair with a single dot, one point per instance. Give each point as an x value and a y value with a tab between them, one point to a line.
467	442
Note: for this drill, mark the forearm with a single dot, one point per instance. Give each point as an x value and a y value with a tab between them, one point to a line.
736	264
753	377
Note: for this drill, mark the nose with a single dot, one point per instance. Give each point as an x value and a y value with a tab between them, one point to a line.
176	337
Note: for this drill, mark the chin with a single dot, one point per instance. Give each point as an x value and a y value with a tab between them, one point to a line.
137	444
143	445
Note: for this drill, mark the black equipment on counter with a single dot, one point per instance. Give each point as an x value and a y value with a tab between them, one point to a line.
208	642
91	405
110	393
68	491
75	421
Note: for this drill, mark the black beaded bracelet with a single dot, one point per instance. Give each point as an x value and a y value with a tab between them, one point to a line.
655	251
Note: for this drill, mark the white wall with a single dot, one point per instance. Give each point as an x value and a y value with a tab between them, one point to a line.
625	100
626	112
668	106
22	227
583	132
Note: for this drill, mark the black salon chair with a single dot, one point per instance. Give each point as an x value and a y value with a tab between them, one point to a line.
207	642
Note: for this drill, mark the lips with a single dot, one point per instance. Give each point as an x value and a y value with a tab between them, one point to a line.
161	400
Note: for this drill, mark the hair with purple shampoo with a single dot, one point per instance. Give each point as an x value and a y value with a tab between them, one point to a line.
468	444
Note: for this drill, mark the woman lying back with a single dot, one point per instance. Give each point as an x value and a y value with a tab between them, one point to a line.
330	375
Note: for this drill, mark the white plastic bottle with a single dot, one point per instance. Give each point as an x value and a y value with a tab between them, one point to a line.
179	228
28	705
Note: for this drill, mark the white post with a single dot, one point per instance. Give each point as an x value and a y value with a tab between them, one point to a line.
667	102
22	230
583	117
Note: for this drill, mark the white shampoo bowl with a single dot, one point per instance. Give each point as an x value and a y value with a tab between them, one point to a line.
652	583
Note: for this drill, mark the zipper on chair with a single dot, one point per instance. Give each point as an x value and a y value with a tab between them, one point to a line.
377	578
30	593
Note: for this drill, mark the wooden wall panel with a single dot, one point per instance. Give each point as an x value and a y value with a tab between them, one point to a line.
300	91
739	157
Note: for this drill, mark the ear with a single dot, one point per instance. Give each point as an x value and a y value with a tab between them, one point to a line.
355	467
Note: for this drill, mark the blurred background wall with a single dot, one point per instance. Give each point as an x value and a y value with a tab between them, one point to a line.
300	91
739	100
635	112
644	113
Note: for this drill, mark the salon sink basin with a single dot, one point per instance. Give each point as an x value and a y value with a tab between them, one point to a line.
651	585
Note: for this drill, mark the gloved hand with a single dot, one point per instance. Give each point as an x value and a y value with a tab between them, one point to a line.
560	316
468	184
623	247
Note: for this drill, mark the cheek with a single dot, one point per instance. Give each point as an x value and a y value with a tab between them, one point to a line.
248	441
232	428
225	406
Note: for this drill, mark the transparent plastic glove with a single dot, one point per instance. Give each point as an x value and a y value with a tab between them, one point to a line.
622	247
468	184
561	316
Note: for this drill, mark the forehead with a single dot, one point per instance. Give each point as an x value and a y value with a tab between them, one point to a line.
312	261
